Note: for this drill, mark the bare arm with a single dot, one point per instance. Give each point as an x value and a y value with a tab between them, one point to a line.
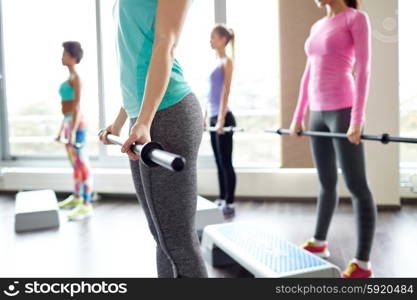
205	118
228	74
76	84
116	127
119	122
61	128
170	19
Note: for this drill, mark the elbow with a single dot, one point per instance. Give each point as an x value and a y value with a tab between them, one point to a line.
363	69
225	97
167	44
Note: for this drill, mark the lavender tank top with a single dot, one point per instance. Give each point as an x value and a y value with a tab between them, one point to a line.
216	89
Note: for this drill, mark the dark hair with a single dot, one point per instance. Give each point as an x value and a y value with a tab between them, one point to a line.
227	33
74	49
353	3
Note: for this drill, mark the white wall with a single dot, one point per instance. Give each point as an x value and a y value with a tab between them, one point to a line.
383	107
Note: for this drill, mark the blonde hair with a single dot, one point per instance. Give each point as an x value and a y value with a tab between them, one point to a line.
228	34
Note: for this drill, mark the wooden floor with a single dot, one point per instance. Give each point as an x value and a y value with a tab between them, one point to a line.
116	241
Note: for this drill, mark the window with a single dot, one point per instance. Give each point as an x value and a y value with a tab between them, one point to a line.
196	56
112	93
408	86
34	72
254	96
33	36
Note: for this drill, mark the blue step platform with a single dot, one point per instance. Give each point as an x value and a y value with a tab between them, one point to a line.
262	252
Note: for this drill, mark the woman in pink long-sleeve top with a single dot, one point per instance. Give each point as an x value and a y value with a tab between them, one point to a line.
335	86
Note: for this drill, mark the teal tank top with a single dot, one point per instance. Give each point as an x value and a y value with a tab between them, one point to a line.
135	21
66	91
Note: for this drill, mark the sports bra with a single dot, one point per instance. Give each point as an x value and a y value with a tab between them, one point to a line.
66	91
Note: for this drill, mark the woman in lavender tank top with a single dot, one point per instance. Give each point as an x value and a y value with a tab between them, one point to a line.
221	116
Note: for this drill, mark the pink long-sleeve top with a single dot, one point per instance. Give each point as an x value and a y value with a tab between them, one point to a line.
338	66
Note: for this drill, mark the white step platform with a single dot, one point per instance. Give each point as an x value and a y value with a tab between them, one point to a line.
207	214
261	252
36	210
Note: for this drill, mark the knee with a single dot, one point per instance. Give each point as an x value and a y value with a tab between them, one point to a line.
225	161
360	190
85	173
328	184
78	176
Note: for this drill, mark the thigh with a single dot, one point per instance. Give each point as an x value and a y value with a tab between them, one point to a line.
213	138
81	133
225	146
173	195
225	141
323	152
351	157
140	192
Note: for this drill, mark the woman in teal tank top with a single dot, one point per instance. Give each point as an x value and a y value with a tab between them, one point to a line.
161	107
74	131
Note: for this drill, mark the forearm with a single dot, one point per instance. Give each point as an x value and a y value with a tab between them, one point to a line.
76	116
205	116
361	33
120	119
61	127
157	81
302	103
300	110
224	105
359	104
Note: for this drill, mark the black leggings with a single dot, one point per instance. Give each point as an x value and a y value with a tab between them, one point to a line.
351	159
223	148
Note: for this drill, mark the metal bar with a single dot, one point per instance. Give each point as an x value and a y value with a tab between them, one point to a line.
226	129
383	138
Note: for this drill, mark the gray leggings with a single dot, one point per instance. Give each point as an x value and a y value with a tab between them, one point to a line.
169	198
351	160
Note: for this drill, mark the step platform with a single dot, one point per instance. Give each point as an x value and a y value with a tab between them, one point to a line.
261	252
36	210
207	214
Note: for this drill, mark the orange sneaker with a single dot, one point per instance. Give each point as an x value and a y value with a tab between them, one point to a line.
321	251
353	270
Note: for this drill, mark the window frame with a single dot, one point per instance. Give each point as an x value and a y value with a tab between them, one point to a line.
4	132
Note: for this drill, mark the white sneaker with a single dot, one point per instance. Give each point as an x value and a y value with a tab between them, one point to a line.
220	203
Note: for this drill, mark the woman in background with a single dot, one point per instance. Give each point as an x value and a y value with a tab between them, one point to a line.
74	130
221	116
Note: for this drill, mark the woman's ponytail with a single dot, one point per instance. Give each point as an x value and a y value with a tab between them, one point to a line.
353	3
228	34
